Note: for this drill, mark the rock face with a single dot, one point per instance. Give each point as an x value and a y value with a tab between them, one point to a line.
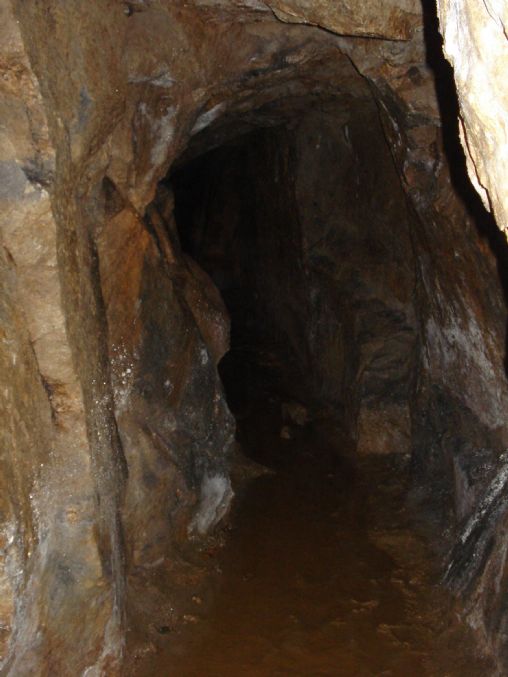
393	21
50	522
476	44
116	435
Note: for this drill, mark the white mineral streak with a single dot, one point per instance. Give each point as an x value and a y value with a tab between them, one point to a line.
122	367
476	44
459	344
207	118
164	79
163	132
497	485
494	490
215	497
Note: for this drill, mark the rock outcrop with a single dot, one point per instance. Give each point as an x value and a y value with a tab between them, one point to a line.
476	43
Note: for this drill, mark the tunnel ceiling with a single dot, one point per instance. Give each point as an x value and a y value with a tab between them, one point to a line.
117	434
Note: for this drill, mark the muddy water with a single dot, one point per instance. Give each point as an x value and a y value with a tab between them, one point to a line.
322	574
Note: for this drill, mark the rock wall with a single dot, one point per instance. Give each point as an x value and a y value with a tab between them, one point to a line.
476	44
50	544
116	435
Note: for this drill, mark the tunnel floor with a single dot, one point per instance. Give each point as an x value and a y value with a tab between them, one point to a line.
323	572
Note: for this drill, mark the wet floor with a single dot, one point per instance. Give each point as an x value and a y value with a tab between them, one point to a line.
321	574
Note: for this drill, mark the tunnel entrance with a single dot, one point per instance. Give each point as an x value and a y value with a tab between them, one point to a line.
304	228
305	231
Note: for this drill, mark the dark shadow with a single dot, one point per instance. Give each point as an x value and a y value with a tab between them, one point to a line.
220	231
449	111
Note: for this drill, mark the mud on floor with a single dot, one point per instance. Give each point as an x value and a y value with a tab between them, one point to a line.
320	572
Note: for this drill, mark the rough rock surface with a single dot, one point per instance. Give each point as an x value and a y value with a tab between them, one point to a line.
395	20
476	43
115	432
49	536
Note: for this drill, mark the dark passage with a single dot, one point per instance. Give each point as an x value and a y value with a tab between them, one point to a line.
305	230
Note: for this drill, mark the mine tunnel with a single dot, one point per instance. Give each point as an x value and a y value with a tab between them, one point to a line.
304	230
253	339
299	220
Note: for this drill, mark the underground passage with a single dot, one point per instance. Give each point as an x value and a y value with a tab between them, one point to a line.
253	333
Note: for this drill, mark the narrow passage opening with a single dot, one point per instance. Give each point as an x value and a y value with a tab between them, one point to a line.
305	230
